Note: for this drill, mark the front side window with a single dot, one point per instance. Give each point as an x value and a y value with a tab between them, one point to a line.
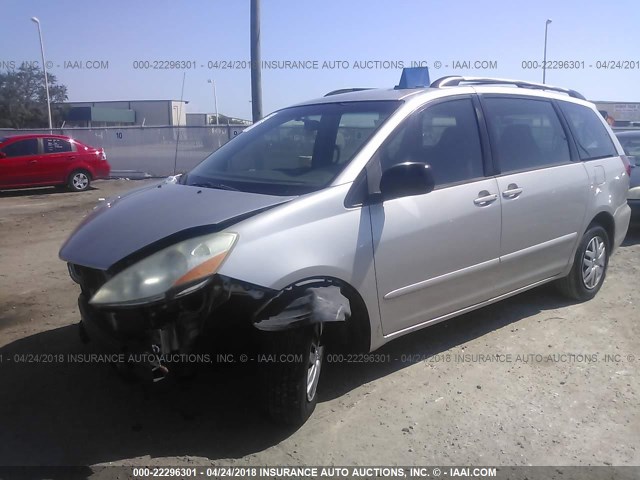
526	134
56	145
445	136
451	142
591	136
22	148
297	150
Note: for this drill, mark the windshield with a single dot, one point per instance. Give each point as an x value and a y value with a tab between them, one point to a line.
295	151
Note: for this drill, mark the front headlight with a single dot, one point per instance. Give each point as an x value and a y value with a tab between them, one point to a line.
177	267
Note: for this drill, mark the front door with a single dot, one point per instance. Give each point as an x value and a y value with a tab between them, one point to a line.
17	166
439	252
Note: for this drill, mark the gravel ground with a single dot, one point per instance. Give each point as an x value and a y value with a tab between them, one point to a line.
566	390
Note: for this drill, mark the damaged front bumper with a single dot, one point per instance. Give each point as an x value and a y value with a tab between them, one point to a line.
150	334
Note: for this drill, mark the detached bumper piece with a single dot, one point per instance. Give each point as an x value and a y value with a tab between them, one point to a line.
318	305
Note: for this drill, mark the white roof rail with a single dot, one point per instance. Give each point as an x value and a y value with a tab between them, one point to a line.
455	80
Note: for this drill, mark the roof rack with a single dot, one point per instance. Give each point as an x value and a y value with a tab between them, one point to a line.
455	80
346	90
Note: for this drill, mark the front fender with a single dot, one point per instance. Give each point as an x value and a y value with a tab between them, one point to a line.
312	236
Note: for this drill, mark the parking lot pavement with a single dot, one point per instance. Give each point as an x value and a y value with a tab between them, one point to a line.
532	380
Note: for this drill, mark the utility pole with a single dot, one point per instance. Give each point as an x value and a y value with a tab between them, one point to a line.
544	61
44	67
256	73
215	98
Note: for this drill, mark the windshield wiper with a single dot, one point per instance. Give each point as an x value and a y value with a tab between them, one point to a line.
219	186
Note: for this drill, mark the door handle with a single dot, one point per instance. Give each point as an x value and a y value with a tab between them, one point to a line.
33	161
485	198
512	191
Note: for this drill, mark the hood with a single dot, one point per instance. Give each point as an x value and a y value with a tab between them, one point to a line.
118	228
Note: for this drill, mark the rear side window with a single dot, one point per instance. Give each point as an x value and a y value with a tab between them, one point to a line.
56	145
22	148
591	136
526	134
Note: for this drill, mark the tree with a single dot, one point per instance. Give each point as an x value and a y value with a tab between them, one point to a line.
23	98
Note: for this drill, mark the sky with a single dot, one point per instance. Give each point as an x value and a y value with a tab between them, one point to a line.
343	43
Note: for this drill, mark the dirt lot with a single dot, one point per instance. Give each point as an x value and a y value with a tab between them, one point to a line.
543	407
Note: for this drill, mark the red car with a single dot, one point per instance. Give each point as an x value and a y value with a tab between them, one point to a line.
43	160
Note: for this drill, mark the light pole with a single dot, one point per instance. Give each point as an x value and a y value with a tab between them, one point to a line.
44	67
256	72
544	62
215	98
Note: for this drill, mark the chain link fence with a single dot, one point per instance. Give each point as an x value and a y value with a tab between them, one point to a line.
156	151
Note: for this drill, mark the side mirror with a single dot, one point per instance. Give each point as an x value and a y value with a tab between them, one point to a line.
634	160
3	155
406	179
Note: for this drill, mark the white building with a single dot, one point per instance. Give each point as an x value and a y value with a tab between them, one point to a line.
125	113
624	113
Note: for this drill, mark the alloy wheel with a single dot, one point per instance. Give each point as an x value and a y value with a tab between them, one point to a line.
80	181
593	262
313	371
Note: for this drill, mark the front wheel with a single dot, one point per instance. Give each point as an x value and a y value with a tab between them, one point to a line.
292	373
589	266
79	181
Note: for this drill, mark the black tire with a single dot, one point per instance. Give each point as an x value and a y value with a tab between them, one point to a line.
286	379
79	181
578	285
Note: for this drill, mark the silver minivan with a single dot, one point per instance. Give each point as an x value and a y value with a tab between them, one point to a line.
350	220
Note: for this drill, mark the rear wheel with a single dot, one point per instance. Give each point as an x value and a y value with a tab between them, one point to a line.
589	266
79	181
292	374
